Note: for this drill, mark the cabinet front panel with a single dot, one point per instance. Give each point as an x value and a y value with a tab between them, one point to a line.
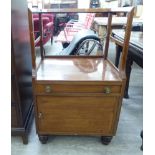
56	88
76	115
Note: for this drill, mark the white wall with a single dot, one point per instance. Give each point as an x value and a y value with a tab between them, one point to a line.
83	4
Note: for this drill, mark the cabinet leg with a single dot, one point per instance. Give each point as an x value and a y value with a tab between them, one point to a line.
25	139
106	139
43	139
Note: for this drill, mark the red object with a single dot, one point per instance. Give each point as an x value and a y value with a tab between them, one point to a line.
73	26
48	27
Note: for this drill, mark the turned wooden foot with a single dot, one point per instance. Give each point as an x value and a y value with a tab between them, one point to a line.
43	139
106	139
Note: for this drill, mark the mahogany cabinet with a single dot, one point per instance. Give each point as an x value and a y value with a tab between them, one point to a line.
21	71
79	95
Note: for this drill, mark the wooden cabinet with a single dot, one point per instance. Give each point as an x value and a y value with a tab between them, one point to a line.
21	72
80	95
21	102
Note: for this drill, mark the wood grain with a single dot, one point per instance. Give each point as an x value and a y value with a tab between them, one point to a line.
76	115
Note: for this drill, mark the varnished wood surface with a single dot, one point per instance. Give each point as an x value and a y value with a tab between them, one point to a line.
77	69
111	11
77	115
71	107
21	81
76	88
126	41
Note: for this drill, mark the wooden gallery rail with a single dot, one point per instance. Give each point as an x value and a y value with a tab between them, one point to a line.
71	101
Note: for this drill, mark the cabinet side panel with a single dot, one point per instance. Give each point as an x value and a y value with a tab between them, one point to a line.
22	52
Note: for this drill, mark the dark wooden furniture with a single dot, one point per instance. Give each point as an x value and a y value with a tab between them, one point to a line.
21	71
100	24
62	19
94	4
141	135
135	53
79	95
60	4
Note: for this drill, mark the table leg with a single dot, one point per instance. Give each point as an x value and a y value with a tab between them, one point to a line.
25	138
118	53
129	63
141	134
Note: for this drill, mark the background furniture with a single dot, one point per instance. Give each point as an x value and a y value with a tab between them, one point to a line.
58	4
85	42
62	19
135	53
94	4
72	101
21	71
74	26
48	27
100	24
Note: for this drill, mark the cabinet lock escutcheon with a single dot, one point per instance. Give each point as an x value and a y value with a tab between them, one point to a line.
40	115
107	90
48	89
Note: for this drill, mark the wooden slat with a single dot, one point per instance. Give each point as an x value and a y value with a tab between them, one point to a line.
126	41
108	35
91	10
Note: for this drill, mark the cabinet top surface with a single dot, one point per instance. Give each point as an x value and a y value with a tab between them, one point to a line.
77	69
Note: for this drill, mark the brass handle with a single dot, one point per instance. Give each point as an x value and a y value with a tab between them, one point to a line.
40	115
107	90
48	89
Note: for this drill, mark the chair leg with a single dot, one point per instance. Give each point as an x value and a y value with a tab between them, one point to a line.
65	45
51	39
43	51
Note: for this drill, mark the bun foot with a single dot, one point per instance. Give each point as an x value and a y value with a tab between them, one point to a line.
106	139
43	139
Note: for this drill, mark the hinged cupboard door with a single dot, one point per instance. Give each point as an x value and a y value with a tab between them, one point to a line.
77	114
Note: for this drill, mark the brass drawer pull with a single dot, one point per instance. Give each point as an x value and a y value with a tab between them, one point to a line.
48	89
107	90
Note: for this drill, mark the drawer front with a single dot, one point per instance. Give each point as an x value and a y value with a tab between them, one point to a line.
60	88
77	115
